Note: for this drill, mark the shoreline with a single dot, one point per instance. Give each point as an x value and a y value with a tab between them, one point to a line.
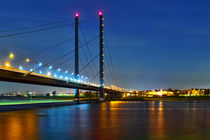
183	98
19	107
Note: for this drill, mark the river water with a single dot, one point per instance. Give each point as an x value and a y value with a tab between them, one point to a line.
149	120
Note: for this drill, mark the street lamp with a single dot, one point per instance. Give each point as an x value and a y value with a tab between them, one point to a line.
7	64
11	55
27	60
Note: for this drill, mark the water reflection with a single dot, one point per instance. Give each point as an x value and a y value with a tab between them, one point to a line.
156	121
18	125
113	120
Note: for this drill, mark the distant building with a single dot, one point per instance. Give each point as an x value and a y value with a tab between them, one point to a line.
159	93
196	92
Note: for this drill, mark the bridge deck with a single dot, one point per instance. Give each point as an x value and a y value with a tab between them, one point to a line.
39	79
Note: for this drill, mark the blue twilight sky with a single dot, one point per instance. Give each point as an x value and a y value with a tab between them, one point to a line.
154	43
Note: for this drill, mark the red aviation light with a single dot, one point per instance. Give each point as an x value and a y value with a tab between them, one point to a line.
100	13
76	14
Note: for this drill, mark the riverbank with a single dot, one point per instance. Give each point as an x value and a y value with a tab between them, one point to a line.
43	98
19	103
131	98
171	98
16	105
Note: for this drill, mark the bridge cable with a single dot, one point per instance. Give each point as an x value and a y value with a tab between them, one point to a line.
64	62
28	32
61	56
84	52
38	30
48	48
87	58
83	34
53	61
107	77
109	69
81	46
94	77
82	64
84	37
85	71
108	48
85	40
89	63
34	26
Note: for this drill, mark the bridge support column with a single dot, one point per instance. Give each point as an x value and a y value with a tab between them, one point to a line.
77	54
101	52
90	94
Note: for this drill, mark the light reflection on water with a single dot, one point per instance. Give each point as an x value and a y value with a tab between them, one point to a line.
18	125
151	120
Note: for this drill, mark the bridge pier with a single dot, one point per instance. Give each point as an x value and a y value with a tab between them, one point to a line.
90	94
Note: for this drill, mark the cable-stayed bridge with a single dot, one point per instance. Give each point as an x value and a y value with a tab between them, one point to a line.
88	75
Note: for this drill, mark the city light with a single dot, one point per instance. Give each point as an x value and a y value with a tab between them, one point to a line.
20	67
160	93
48	73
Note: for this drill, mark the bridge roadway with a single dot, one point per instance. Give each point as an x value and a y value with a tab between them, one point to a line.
16	75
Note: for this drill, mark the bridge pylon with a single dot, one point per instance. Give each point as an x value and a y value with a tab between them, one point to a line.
77	53
101	52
